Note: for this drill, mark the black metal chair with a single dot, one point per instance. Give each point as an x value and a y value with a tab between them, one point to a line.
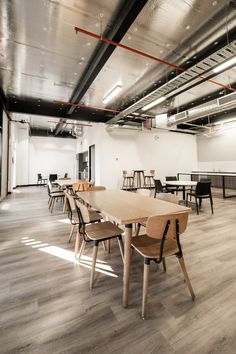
40	178
159	188
202	191
52	177
173	189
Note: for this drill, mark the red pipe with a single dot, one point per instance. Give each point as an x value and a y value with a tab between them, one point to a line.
84	106
94	35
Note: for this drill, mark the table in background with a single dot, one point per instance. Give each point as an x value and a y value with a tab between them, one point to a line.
126	208
222	175
182	184
139	175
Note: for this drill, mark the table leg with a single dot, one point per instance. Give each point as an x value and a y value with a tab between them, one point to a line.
184	193
127	262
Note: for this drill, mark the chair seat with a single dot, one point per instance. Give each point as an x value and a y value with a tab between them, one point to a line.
102	230
57	194
199	196
150	248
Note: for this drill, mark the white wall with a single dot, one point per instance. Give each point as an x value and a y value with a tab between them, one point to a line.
217	153
166	152
22	154
4	156
51	155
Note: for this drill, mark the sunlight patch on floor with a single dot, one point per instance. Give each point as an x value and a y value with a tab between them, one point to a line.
64	221
85	261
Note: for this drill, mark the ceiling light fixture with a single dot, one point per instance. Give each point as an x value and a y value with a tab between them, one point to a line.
154	103
112	94
225	65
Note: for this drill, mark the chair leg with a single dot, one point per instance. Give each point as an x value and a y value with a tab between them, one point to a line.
81	250
196	206
145	286
183	268
95	252
138	229
77	243
120	243
211	200
71	232
52	206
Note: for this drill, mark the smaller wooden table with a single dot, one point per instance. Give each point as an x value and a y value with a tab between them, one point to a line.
181	184
138	174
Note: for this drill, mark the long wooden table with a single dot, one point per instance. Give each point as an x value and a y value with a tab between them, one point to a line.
126	208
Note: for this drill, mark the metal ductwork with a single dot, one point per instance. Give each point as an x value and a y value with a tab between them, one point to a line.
218	105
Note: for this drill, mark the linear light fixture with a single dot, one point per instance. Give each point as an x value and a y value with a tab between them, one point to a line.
112	94
225	65
154	103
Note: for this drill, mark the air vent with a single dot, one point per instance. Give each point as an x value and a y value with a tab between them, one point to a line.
180	115
229	99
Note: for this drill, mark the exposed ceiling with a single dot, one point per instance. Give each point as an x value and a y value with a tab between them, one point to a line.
60	58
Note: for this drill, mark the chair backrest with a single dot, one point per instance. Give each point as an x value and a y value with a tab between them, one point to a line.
143	191
83	212
95	188
158	186
203	188
156	225
65	175
53	177
124	173
39	176
168	197
71	201
49	186
171	178
80	186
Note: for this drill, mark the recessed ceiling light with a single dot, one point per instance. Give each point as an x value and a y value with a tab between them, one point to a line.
214	3
88	44
75	74
187	27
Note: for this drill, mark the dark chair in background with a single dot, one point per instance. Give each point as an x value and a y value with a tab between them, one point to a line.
159	188
66	175
53	177
173	189
40	178
202	191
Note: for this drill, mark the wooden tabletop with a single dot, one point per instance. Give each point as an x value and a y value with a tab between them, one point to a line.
70	182
127	207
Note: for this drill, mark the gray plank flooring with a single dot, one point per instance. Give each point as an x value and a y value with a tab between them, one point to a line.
46	305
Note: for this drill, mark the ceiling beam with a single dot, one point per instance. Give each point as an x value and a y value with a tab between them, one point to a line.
126	16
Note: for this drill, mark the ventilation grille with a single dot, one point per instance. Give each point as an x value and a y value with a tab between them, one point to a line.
231	98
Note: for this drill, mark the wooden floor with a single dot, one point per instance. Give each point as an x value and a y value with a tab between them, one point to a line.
46	305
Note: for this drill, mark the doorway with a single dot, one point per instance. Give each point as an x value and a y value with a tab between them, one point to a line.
92	163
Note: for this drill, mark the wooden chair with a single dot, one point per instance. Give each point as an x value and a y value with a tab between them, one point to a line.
128	181
80	186
95	232
54	195
202	191
161	240
72	214
149	179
